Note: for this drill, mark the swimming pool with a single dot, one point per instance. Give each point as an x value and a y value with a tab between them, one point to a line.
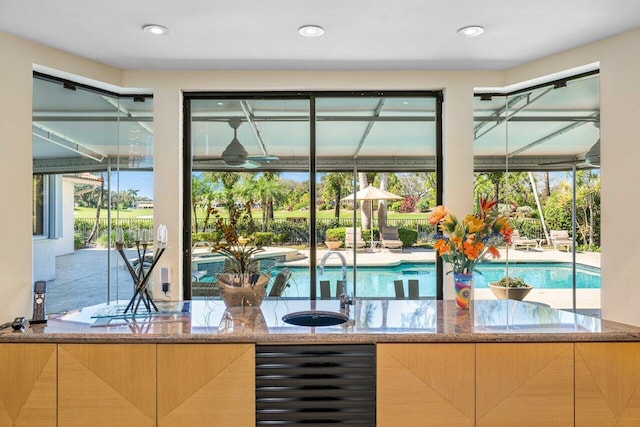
378	281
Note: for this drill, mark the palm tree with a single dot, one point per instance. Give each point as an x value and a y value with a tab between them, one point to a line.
133	196
334	184
365	180
228	181
94	230
268	189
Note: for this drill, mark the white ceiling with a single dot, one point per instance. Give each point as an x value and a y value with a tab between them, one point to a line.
360	34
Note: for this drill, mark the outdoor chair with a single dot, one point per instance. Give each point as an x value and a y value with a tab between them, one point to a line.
280	283
517	240
389	238
350	242
414	292
560	238
398	286
325	289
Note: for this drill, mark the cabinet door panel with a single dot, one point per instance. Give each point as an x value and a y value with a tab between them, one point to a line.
425	384
524	384
206	385
28	378
608	384
107	384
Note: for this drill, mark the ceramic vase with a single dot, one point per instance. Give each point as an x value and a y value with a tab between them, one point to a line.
235	294
463	283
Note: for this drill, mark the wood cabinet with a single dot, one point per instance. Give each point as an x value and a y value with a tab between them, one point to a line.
107	385
524	384
206	385
425	384
607	384
28	378
421	384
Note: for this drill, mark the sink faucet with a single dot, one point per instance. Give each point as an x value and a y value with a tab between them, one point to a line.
343	260
345	302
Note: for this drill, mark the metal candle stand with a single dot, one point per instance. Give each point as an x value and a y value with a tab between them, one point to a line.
141	279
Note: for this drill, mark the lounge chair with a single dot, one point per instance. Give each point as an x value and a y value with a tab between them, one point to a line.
517	240
414	292
560	238
399	289
325	289
280	283
389	238
350	242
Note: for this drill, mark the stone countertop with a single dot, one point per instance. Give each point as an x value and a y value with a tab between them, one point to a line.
372	321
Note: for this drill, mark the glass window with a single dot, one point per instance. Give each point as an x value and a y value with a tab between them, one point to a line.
92	164
537	152
290	162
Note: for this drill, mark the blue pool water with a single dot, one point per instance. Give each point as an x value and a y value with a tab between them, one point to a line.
378	281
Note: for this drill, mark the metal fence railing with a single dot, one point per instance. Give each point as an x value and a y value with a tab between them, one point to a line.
296	229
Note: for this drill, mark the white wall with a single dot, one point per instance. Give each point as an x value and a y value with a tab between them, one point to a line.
620	92
64	245
18	56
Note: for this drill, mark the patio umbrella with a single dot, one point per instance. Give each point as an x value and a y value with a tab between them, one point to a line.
371	193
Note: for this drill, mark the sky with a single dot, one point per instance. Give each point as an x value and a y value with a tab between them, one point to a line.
142	181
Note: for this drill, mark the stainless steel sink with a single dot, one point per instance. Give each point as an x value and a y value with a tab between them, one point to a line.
314	318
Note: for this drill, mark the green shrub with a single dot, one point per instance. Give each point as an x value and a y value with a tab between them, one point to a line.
335	234
78	241
128	240
207	236
261	238
423	205
408	236
281	238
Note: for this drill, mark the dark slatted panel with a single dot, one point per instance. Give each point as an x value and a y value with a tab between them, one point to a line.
315	385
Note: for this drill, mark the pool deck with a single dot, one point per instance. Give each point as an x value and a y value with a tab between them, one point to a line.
81	279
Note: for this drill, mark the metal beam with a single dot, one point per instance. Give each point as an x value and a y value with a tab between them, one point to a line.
514	112
248	113
126	112
546	138
365	134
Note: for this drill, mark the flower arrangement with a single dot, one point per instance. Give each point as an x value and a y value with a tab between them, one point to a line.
467	242
238	250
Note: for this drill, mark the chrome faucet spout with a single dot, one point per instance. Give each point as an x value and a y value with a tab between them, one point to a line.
343	260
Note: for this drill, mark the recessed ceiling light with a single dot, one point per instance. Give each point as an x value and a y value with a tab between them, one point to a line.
220	103
311	31
156	30
470	31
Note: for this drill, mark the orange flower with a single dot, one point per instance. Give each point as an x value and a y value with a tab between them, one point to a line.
493	251
486	205
472	249
437	214
442	246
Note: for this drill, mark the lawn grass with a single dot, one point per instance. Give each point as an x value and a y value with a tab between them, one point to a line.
82	212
